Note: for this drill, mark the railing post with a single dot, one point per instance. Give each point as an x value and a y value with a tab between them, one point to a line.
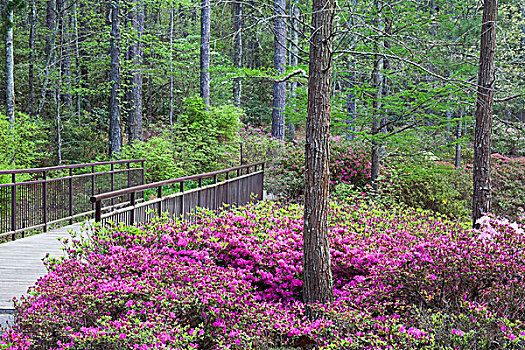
143	179
92	185
129	174
98	211
182	199
70	196
199	194
44	200
159	196
112	182
216	200
132	203
13	206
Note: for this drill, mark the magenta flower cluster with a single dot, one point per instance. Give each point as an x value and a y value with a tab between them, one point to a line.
403	279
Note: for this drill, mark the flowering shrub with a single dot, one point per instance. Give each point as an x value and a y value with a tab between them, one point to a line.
258	146
349	164
403	279
508	184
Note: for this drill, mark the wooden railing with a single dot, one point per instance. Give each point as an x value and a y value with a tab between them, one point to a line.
237	186
34	199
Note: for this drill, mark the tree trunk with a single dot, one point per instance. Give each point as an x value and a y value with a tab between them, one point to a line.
78	95
279	88
205	51
10	64
457	160
50	24
484	107
65	53
318	285
237	52
31	73
135	116
294	62
351	80
377	80
172	18
115	137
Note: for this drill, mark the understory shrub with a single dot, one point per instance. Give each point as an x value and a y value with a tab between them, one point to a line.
202	140
508	184
403	278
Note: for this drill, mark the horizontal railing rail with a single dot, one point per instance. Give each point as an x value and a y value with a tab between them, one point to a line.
247	181
52	195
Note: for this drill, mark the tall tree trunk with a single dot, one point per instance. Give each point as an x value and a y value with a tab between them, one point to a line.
205	51
172	18
484	107
31	73
457	160
10	64
78	76
50	24
351	80
65	52
294	62
279	88
135	117
237	52
377	80
317	270
115	136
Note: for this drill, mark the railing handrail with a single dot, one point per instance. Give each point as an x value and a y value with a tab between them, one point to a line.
65	167
135	189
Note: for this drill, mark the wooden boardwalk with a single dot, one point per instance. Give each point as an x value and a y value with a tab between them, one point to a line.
21	263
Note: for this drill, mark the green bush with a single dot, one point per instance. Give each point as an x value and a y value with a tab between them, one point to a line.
201	141
508	186
429	185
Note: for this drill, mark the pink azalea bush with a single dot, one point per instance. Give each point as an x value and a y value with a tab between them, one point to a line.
404	279
349	165
508	183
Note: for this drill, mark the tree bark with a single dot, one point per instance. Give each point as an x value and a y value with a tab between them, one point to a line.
135	116
377	80
172	18
205	51
78	95
31	72
294	62
115	136
318	285
237	52
457	160
279	88
484	107
10	64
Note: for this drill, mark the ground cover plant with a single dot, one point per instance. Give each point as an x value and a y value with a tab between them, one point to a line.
404	278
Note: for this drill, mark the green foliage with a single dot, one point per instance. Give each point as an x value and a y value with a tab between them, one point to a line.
508	186
22	145
430	185
201	141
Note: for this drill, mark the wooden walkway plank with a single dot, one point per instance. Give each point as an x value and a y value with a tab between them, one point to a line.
21	263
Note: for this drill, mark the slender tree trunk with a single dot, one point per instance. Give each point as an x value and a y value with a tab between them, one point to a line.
317	270
65	53
457	160
377	79
115	136
237	52
484	108
10	64
351	80
172	18
31	74
78	76
135	117
50	52
205	51
294	62
279	88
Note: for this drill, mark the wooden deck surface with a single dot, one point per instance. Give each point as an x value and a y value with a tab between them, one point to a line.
21	263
